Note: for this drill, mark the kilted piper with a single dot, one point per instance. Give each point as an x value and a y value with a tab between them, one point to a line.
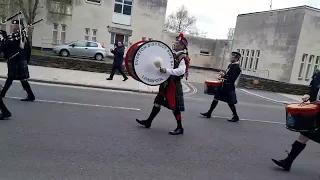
170	92
17	52
5	113
227	92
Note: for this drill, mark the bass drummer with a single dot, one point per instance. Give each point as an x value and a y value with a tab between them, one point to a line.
298	146
170	92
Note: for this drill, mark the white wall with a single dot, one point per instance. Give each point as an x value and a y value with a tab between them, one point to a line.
309	44
275	34
147	20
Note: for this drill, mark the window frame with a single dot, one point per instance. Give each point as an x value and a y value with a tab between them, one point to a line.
123	4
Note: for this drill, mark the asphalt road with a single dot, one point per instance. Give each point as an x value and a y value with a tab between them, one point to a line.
78	133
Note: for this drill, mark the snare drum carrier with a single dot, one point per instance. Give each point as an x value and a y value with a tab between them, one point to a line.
302	117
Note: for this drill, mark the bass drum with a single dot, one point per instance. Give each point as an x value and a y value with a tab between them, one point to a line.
144	59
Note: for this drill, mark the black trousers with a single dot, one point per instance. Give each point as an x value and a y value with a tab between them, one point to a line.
119	69
25	84
3	107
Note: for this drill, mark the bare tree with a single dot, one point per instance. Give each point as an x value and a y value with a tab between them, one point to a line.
182	21
57	10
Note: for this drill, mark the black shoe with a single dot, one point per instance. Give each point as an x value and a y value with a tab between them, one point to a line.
125	79
4	116
283	163
109	79
177	131
28	99
145	123
234	119
207	115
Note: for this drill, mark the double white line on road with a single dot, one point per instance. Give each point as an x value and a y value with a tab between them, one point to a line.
82	104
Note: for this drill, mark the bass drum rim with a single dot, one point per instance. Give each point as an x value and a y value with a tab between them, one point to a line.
134	55
126	60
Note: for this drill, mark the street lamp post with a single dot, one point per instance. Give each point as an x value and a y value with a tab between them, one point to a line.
224	54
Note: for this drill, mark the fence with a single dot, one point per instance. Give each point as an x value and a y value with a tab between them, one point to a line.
257	73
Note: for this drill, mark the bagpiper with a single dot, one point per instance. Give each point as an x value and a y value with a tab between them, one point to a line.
17	52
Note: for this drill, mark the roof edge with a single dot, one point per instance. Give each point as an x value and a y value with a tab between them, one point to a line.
283	9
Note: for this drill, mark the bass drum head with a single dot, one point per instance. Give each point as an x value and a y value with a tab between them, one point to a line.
147	55
128	61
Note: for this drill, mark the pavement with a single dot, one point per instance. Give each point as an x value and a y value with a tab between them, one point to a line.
76	133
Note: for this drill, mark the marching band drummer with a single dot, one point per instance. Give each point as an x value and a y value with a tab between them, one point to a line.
228	92
170	92
298	146
18	59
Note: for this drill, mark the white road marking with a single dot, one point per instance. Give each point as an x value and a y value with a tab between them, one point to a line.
252	120
269	99
81	104
194	90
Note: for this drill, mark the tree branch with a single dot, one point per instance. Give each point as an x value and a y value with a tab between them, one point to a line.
21	4
34	11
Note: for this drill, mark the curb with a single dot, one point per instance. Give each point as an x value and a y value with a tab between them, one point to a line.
269	99
87	86
92	86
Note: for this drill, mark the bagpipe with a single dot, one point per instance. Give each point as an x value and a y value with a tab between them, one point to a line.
22	32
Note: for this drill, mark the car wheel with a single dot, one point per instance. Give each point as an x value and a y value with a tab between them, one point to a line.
64	53
98	57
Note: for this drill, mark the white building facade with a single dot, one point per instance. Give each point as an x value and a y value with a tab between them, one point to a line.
104	21
281	45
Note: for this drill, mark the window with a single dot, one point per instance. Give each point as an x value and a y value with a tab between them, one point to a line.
203	52
257	60
56	7
87	34
316	65
251	59
304	57
80	44
94	35
144	38
55	34
94	1
3	26
238	50
123	7
311	58
242	54
92	44
63	33
150	39
247	58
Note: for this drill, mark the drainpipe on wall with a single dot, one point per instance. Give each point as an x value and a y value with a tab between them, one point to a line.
224	54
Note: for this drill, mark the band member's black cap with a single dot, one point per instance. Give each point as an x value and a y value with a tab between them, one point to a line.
182	39
4	33
236	55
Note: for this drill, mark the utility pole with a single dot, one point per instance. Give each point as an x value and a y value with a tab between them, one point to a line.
271	5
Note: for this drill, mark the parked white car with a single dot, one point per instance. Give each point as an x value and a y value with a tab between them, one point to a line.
82	48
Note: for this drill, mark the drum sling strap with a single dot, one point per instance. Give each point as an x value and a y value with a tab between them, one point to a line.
171	87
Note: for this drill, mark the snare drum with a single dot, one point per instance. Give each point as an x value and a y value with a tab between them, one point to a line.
212	87
302	117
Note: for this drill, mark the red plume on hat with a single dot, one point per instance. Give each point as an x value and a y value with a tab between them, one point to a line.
181	35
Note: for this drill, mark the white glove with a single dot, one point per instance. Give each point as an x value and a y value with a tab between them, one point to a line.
305	97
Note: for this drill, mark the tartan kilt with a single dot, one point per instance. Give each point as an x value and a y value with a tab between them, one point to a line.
18	70
314	136
229	97
161	100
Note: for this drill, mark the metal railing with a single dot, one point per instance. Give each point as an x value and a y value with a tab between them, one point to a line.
256	73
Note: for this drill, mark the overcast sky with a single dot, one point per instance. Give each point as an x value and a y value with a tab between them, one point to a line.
216	16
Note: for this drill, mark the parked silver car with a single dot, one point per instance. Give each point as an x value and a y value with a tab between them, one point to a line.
82	48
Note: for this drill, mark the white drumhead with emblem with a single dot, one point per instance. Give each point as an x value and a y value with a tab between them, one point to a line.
148	59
